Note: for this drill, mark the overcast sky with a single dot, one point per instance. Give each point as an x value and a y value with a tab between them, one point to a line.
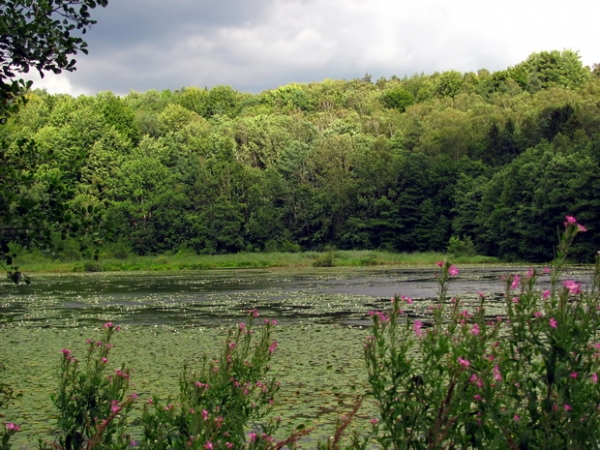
254	45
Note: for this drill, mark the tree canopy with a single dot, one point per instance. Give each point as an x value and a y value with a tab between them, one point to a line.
489	160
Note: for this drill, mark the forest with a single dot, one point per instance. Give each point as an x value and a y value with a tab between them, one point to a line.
490	161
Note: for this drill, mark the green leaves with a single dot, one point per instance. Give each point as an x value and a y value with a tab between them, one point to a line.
39	35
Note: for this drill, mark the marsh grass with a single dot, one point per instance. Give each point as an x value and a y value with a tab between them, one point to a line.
38	262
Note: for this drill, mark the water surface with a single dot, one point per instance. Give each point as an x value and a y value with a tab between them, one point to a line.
172	318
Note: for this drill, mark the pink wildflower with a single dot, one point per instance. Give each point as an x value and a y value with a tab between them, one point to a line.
66	352
516	418
477	397
572	286
453	271
374	420
546	294
108	325
476	380
496	371
407	299
208	445
553	322
567	407
253	312
115	406
538	314
273	347
463	362
252	437
570	220
581	228
516	279
574	375
121	374
594	378
104	360
475	330
12	426
440	263
417	325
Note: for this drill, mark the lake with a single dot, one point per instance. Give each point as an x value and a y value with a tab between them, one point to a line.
172	318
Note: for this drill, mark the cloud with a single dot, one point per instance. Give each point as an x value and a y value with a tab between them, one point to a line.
254	45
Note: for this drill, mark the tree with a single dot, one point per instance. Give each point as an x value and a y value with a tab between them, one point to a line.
398	98
40	34
549	69
449	83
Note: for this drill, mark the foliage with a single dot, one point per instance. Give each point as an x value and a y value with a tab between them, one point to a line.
92	405
547	69
398	98
39	35
221	399
461	247
400	165
537	390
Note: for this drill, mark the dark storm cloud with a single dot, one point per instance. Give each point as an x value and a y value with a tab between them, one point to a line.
142	44
127	22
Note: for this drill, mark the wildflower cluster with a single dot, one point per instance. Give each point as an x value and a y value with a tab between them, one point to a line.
218	401
464	379
91	400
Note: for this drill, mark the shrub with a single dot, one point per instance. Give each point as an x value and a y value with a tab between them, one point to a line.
463	379
461	247
92	406
218	401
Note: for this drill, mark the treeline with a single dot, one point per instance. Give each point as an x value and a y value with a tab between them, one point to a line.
493	159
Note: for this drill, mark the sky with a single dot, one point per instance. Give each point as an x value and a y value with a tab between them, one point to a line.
256	45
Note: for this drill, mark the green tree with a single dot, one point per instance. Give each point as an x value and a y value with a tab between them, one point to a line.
525	202
398	98
41	35
449	84
550	69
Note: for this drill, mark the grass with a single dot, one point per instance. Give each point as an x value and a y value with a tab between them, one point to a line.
37	262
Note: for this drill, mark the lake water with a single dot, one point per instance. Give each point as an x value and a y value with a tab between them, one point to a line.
209	298
169	319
